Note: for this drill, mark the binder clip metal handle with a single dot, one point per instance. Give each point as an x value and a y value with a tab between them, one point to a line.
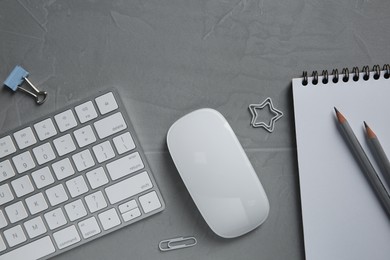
177	243
17	77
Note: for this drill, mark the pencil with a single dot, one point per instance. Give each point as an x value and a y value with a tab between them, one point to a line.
378	153
364	162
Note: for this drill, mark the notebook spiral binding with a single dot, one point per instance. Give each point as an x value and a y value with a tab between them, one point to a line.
346	75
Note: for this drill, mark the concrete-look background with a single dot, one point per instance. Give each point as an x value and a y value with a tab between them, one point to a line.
170	57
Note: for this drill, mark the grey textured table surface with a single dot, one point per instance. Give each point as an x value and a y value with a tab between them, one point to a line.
170	57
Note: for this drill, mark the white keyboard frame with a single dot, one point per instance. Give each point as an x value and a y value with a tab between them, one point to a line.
118	179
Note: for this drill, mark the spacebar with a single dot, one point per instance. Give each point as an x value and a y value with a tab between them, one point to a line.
35	250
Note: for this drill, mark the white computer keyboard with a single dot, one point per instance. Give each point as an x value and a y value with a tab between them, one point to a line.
71	177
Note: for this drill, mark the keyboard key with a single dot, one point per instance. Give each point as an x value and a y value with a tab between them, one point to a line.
56	195
16	212
125	166
7	146
30	252
55	218
23	162
15	236
22	186
132	214
109	219
95	201
44	153
35	227
128	206
110	125
128	187
5	194
42	177
25	138
65	120
89	227
84	136
86	112
75	210
36	203
2	244
149	202
63	169
97	178
66	237
77	186
64	145
6	170
83	160
106	103
45	129
3	220
103	151
124	143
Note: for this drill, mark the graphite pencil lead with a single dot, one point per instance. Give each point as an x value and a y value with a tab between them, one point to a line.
369	132
340	116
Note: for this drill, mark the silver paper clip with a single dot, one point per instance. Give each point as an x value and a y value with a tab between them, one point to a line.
17	77
277	115
177	243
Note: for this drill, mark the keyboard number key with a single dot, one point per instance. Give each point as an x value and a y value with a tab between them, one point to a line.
25	138
6	170
7	146
106	103
45	129
65	120
86	112
23	162
44	153
109	219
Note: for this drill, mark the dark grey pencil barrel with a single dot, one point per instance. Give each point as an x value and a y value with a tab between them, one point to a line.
381	158
366	166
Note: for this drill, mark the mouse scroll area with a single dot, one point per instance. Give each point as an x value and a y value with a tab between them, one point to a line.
217	173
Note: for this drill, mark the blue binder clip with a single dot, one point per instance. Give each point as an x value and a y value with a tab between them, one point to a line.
17	77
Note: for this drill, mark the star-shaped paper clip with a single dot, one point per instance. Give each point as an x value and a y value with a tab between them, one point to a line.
277	115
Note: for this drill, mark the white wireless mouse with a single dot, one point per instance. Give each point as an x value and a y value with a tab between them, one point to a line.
217	173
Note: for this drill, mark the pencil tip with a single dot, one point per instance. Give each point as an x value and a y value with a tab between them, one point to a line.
369	132
340	116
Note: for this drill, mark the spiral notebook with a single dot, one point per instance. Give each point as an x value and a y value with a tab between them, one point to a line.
342	218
